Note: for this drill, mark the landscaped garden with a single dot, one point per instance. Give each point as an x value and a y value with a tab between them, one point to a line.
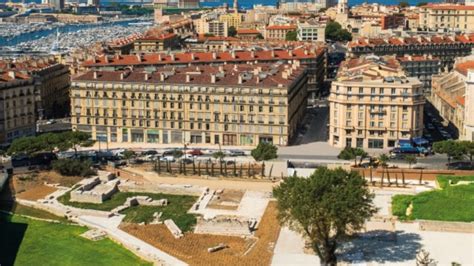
177	208
27	241
453	202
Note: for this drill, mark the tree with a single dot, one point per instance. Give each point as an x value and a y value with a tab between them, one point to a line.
218	155
264	151
231	31
335	32
259	36
421	4
349	153
291	36
423	258
410	159
451	148
467	148
403	4
73	167
75	139
177	154
128	154
383	161
325	207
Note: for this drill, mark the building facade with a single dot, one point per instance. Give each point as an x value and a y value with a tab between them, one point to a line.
238	105
278	32
445	47
422	67
17	106
152	44
373	105
448	17
311	31
232	19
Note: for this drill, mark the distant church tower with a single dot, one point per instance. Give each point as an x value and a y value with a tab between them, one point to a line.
342	7
236	6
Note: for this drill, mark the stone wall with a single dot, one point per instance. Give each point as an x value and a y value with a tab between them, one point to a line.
442	226
177	189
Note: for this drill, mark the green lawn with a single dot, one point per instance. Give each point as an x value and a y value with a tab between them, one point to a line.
26	241
453	203
177	207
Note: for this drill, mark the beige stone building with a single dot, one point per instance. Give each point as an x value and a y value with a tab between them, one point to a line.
278	32
232	19
17	106
373	104
232	104
452	95
449	17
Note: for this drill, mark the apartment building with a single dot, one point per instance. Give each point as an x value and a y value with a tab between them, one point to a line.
156	43
17	106
51	82
373	104
448	17
311	31
453	97
310	55
232	104
422	67
444	47
278	32
232	19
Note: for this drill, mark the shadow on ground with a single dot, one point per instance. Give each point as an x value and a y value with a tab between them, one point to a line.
382	247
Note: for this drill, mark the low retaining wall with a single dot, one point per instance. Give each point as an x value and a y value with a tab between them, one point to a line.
412	174
442	226
190	190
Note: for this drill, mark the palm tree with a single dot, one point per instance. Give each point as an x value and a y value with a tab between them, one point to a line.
410	159
383	159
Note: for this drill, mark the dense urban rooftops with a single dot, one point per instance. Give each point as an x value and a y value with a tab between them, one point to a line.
204	57
262	75
419	40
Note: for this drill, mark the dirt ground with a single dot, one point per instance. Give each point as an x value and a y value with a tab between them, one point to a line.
229	199
192	248
36	193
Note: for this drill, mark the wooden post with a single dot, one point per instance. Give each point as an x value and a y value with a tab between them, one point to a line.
159	165
235	168
199	168
184	167
220	167
225	168
207	167
194	166
212	169
403	178
263	169
241	170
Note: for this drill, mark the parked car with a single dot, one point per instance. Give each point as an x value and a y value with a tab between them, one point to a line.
195	152
150	152
461	166
167	158
235	153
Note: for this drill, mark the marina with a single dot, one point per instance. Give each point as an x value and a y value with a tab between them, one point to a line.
63	38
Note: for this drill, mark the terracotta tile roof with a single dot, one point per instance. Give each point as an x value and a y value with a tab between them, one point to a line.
225	75
447	7
247	31
440	39
281	27
203	57
162	36
6	76
417	58
461	100
464	67
443	96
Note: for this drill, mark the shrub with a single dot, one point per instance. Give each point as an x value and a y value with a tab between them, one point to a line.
443	181
264	151
400	204
71	167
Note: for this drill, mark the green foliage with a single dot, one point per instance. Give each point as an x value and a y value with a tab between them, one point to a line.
231	31
454	203
324	206
73	167
403	4
260	36
349	153
45	243
128	154
219	155
291	36
177	154
264	151
452	149
335	32
443	181
208	35
177	208
400	204
50	141
410	159
383	160
421	4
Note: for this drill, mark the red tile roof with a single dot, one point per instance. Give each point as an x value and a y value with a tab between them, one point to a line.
203	57
281	27
447	7
461	100
361	42
247	31
202	75
464	67
162	36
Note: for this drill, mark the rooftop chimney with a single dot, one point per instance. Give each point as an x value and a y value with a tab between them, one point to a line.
121	76
162	77
95	75
284	74
172	57
159	57
139	58
273	53
192	56
214	55
213	78
252	54
146	76
11	74
233	54
240	79
106	59
188	78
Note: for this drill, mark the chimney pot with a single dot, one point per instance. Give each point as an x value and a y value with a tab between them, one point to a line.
188	78
121	76
95	75
240	79
213	78
214	56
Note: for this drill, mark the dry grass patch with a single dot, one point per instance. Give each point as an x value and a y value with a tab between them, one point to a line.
192	248
36	193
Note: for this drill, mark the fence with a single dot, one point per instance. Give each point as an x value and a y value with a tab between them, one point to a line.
410	174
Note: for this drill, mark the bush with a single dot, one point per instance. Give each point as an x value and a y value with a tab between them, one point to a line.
400	204
71	167
264	151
